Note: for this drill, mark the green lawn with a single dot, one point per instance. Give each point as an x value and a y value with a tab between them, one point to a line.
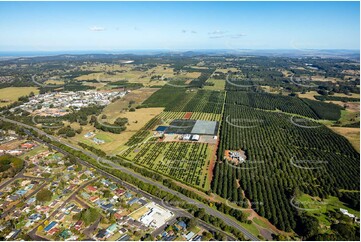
319	208
218	84
104	137
260	222
34	151
347	115
251	228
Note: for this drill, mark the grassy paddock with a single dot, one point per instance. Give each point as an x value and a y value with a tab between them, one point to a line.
11	94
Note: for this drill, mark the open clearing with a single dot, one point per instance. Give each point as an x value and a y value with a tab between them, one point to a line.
139	213
319	208
349	116
54	82
115	142
309	95
274	90
351	134
232	69
324	79
112	73
136	97
136	119
11	94
219	84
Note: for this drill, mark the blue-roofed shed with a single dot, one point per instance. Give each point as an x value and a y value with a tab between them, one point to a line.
50	226
161	128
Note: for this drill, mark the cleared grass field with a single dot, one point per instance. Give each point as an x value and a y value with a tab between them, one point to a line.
309	95
114	143
319	208
34	151
138	213
351	134
226	70
218	84
133	76
136	119
54	82
11	94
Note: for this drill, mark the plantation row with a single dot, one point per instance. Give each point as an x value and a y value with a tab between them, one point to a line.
138	137
169	97
141	134
335	98
323	110
304	107
206	102
281	158
167	116
185	162
177	99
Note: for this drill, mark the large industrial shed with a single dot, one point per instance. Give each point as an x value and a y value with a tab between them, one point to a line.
197	127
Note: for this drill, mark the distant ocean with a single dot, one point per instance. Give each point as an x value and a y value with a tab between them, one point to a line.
45	53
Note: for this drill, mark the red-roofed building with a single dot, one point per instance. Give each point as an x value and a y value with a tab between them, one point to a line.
53	231
78	225
119	192
27	146
117	216
94	199
91	188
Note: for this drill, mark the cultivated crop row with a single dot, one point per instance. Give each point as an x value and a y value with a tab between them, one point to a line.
282	160
185	162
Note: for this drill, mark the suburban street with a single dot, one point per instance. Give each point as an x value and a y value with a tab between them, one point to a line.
5	213
229	221
32	233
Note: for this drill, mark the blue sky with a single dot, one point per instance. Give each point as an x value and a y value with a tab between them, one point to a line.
58	26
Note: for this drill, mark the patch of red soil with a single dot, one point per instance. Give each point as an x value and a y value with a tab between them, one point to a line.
188	115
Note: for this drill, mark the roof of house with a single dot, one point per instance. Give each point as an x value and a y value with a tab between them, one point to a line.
91	188
182	224
112	228
189	235
134	200
50	226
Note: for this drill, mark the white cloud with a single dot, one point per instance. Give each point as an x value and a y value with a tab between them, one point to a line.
217	32
184	31
96	29
236	36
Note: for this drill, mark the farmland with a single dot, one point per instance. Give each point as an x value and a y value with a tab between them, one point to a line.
185	162
271	142
216	84
303	107
187	100
297	141
11	94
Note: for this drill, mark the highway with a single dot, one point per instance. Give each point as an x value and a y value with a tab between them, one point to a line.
226	219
